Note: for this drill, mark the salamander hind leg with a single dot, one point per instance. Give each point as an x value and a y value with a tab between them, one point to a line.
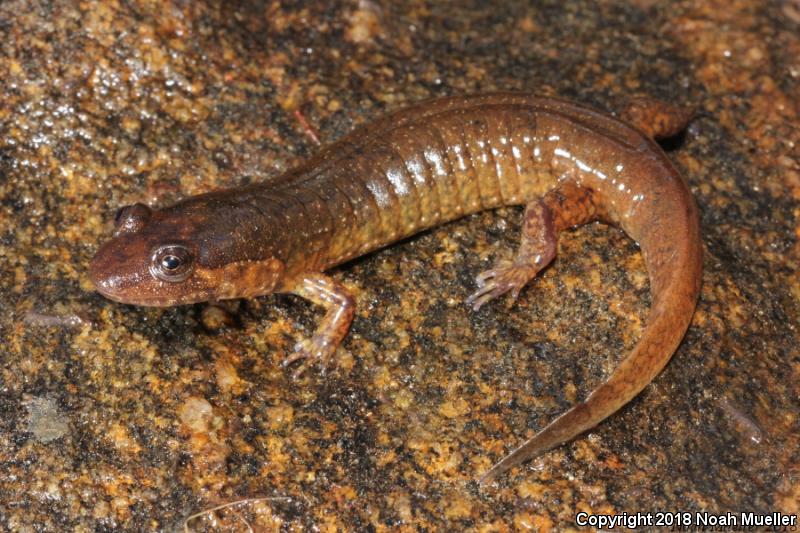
340	308
536	250
565	206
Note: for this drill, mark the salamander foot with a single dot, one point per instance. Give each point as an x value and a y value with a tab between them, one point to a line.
340	308
504	277
317	348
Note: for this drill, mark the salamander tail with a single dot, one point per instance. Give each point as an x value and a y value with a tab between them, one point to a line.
674	266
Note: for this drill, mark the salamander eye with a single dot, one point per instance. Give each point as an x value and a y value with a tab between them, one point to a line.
172	262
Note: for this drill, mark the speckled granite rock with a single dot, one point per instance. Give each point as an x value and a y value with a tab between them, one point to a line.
115	418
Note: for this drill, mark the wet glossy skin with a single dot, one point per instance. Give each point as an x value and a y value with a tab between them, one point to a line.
419	168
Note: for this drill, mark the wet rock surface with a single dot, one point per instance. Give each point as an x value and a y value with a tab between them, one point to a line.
122	418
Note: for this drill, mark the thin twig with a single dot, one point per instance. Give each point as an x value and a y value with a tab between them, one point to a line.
309	131
231	504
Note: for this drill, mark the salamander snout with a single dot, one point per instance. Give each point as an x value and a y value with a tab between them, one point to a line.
120	271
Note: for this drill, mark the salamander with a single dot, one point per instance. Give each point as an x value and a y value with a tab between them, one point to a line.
417	168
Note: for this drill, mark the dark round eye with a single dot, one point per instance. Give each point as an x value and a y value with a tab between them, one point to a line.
171	262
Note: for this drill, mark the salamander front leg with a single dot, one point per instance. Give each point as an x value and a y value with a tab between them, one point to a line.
340	308
565	206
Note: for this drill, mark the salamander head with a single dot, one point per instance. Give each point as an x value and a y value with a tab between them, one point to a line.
176	256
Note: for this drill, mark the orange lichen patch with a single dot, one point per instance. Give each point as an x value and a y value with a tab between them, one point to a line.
400	502
343	495
455	407
528	24
291	99
216	317
225	366
403	399
495	526
227	378
280	416
448	459
532	489
436	456
364	23
121	439
570	391
458	506
277	457
266	340
384	380
585	451
119	488
387	458
539	523
613	462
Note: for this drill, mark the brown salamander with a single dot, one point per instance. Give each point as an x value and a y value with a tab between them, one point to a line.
414	169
